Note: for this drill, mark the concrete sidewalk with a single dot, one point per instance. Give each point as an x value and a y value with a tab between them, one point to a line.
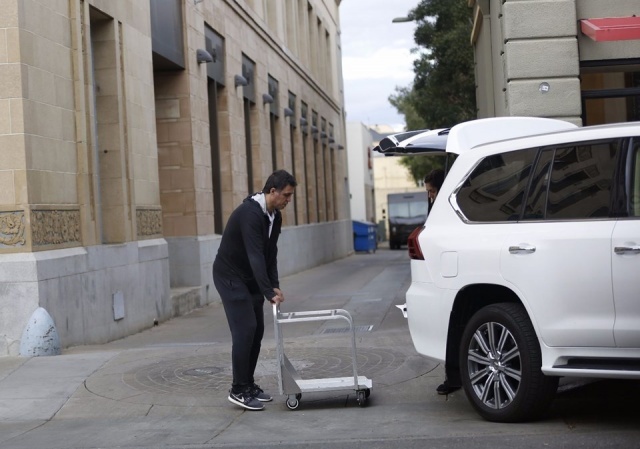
168	386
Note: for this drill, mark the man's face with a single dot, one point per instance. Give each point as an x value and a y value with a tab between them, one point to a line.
432	192
282	198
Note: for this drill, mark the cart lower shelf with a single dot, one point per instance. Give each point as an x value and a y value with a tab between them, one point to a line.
362	390
332	383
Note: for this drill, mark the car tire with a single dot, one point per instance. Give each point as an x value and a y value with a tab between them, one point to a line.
500	364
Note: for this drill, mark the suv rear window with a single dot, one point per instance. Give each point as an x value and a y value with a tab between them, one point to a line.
571	182
495	189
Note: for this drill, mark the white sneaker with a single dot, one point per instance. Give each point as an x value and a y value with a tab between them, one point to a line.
245	400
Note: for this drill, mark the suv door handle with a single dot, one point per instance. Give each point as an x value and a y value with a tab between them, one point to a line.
627	250
522	249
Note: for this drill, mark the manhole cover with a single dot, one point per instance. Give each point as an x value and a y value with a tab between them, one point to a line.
192	376
204	371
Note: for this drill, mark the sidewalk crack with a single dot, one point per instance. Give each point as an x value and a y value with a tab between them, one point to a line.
224	429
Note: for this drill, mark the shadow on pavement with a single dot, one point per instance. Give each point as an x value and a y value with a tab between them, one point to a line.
605	402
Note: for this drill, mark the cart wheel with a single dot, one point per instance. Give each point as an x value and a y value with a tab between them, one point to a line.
362	398
367	392
298	396
293	404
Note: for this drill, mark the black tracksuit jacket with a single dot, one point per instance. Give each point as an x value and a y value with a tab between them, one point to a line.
246	252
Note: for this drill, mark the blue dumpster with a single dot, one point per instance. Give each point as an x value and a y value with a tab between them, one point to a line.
364	236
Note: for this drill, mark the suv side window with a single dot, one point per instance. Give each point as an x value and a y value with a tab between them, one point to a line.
537	199
494	191
580	181
634	191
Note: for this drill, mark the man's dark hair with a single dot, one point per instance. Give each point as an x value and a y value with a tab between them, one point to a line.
435	178
278	180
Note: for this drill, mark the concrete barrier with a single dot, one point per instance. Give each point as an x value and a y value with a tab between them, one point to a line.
40	336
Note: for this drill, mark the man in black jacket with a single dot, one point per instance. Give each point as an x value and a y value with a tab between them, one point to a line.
245	272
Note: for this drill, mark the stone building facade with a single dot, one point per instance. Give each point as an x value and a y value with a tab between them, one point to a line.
129	131
575	60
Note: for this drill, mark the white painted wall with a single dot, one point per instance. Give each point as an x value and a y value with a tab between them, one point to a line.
359	144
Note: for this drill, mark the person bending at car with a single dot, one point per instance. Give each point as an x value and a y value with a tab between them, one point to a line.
432	183
245	272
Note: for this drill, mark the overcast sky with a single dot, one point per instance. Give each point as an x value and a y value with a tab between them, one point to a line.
376	57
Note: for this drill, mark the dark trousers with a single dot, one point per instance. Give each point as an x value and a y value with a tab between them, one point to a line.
243	304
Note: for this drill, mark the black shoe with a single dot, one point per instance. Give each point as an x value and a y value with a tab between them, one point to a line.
245	400
259	394
445	388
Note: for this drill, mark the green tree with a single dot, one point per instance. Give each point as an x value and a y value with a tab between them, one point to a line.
420	165
443	91
444	84
404	102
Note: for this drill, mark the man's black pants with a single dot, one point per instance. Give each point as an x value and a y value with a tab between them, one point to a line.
243	304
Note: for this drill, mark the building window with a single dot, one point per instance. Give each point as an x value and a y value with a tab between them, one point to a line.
108	124
214	44
332	173
272	15
315	134
249	101
325	168
303	35
610	93
166	35
291	104
304	120
274	129
313	41
291	26
327	60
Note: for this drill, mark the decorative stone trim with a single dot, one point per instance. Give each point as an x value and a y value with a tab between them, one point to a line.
12	227
55	227
148	222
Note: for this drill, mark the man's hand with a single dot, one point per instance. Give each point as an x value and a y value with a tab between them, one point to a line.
279	296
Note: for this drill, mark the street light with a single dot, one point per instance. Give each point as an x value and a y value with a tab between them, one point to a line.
402	20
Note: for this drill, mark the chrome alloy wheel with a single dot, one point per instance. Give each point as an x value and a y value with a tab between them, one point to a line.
494	365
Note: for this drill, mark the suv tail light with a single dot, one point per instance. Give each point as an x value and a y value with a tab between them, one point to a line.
412	243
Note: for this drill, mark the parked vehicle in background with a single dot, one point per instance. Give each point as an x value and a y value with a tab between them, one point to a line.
527	268
406	211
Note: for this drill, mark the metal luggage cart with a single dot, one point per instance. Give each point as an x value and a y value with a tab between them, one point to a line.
290	382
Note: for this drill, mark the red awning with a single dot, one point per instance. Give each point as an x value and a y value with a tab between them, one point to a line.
612	28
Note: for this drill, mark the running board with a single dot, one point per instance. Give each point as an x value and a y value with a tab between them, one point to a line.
609	364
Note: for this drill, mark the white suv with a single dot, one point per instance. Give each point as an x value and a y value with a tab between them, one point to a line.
528	266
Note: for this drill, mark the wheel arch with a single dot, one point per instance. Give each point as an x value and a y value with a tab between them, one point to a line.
468	301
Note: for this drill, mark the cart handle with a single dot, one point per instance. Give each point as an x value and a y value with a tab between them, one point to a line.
313	315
